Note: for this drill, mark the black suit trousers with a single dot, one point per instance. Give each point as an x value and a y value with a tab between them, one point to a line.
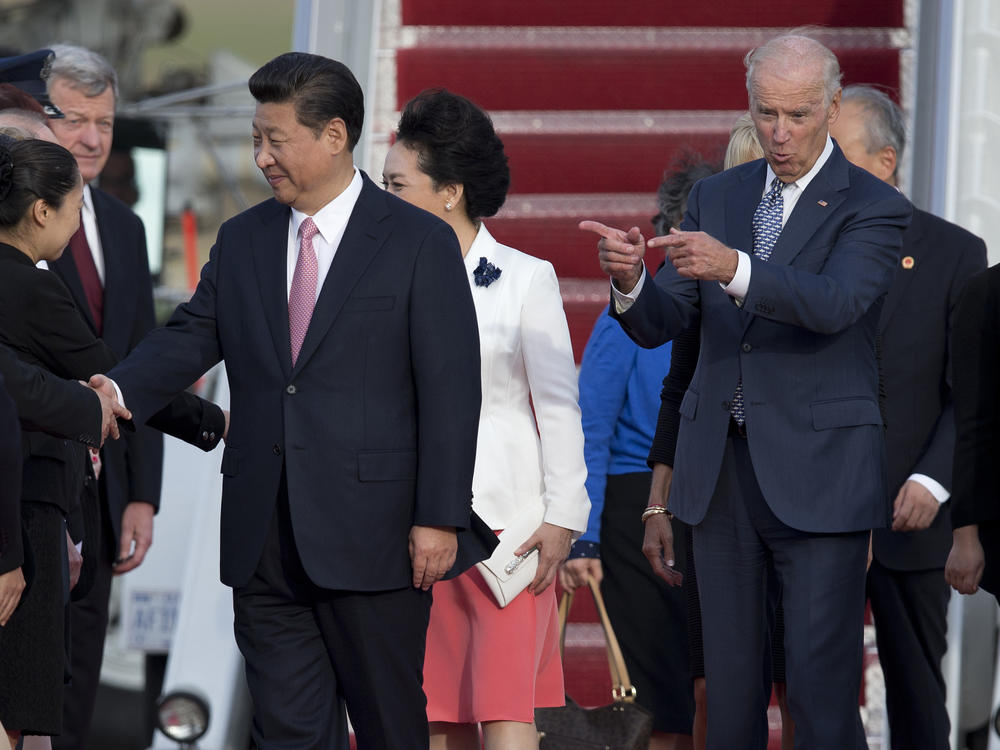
823	593
310	651
911	630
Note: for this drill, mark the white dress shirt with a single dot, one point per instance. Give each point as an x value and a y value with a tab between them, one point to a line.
331	221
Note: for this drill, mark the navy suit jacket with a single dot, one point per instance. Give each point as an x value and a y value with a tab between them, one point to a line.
803	341
916	336
374	428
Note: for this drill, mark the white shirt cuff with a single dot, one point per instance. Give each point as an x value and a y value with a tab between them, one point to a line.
933	486
118	392
740	283
624	301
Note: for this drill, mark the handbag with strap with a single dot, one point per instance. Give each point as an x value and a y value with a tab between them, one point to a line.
621	725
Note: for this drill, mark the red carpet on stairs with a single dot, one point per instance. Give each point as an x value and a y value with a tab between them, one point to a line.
651	13
606	79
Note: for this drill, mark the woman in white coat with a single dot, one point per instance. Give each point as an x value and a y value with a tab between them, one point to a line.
485	665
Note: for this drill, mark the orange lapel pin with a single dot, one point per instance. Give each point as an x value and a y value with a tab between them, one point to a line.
907	262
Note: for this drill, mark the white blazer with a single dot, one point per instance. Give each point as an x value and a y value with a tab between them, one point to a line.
526	351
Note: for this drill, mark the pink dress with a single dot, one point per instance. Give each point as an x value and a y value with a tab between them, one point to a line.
484	663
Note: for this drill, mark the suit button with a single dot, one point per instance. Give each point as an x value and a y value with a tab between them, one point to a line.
211	436
746	347
276	449
290	390
725	406
204	435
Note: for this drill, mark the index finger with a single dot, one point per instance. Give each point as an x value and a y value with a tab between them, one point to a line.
609	233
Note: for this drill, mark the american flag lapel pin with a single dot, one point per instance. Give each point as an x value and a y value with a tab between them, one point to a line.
822	203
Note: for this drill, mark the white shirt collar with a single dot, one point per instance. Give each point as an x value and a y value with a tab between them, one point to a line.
803	182
88	199
331	219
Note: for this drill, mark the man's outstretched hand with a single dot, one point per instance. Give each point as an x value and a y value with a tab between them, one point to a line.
111	409
697	255
620	253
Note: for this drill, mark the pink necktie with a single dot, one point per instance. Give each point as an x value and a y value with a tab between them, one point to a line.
302	298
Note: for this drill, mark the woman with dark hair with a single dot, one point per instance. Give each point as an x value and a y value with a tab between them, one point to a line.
40	197
485	664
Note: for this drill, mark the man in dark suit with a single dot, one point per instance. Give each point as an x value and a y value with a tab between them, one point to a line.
107	270
974	560
906	585
350	341
781	458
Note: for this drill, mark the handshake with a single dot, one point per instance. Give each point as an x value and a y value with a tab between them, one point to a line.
188	418
112	410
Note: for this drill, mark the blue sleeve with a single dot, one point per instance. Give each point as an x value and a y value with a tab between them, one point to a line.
608	360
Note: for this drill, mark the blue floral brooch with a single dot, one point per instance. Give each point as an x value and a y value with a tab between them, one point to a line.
486	273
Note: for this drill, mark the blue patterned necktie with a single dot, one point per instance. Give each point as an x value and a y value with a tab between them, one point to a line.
766	228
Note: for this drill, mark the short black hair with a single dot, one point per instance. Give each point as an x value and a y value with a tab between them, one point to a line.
319	88
456	144
671	199
31	169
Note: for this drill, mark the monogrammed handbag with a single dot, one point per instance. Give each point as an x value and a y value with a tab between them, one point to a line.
621	725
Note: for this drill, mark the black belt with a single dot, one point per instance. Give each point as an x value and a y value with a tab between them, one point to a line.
736	429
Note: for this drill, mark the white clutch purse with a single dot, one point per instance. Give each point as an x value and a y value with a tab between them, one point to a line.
506	574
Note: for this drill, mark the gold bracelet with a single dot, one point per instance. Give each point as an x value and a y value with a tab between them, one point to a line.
652	510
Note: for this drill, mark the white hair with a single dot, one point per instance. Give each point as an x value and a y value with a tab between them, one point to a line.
796	50
84	69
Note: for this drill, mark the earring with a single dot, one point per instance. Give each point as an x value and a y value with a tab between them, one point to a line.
447	206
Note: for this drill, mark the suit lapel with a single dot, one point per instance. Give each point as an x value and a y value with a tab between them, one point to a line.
269	249
821	198
744	196
366	231
913	244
